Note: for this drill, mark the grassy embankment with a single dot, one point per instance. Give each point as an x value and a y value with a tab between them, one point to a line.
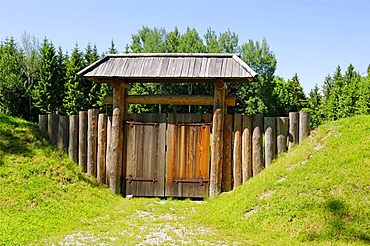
319	194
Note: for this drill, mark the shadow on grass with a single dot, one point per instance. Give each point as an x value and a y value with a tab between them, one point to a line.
338	224
15	136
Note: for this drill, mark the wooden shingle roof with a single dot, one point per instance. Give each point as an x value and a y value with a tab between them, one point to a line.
170	67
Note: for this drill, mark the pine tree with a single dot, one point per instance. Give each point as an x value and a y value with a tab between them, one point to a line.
47	89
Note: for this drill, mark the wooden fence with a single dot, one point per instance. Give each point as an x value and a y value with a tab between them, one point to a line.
251	142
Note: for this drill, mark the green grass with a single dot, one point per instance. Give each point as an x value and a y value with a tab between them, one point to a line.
42	192
317	194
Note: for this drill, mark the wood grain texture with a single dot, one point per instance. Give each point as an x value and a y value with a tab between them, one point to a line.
293	129
145	153
82	140
63	133
102	148
282	130
237	160
53	123
188	154
270	139
73	138
173	100
247	128
227	164
257	152
304	125
217	152
92	141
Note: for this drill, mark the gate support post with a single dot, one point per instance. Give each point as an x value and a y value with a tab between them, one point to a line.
217	141
117	170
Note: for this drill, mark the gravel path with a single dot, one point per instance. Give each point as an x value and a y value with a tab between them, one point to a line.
147	228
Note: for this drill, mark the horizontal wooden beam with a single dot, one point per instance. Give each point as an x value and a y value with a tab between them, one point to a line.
173	100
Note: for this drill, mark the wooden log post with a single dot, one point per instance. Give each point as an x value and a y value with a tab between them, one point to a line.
228	149
257	153
304	125
117	167
116	153
92	141
108	156
53	120
237	154
217	141
63	132
247	148
102	148
82	140
43	124
293	129
270	142
282	129
73	138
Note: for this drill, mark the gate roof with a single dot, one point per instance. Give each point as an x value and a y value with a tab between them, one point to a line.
170	67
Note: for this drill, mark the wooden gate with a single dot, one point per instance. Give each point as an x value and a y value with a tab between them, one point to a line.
144	154
188	155
186	172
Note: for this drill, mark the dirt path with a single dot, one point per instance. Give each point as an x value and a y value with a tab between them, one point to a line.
158	224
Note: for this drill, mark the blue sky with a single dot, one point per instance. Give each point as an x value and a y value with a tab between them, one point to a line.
310	38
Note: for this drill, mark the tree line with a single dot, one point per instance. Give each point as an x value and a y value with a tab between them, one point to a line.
40	78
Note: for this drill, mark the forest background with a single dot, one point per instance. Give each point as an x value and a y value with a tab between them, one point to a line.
37	77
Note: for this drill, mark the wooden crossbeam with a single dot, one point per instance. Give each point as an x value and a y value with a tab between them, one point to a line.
173	99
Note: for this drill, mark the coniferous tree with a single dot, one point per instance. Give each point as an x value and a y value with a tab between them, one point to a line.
363	102
48	89
13	83
76	88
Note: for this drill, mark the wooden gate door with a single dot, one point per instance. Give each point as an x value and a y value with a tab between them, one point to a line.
188	155
145	154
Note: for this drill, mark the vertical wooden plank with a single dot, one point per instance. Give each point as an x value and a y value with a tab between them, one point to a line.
293	129
217	151
304	125
82	140
102	148
43	124
109	149
247	147
270	136
237	154
92	141
62	140
73	138
282	129
53	123
116	152
257	156
227	165
188	155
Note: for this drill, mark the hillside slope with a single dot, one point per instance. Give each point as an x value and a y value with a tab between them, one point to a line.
42	192
319	193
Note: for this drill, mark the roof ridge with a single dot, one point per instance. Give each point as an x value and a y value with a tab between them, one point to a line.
173	54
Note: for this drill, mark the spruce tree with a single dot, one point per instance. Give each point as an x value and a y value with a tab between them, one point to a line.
13	89
76	88
47	90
